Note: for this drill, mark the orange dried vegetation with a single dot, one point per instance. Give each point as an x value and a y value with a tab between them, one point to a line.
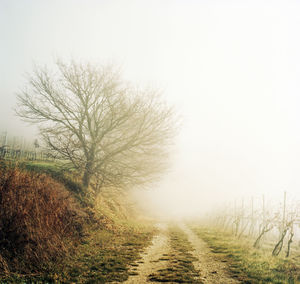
39	221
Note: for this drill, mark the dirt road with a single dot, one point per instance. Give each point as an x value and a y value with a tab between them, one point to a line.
210	269
150	258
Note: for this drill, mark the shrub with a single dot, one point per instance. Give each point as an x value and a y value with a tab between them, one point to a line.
39	221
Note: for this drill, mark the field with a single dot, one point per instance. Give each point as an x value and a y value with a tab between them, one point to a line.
106	242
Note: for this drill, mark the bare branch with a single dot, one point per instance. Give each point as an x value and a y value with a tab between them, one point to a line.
110	132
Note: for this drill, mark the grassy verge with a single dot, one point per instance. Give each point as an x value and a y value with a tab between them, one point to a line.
102	256
105	256
103	251
248	264
57	172
180	268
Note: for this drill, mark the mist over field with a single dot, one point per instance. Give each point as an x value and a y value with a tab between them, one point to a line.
230	68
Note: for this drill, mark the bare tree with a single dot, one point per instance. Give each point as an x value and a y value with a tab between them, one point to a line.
265	228
290	240
285	227
268	223
110	132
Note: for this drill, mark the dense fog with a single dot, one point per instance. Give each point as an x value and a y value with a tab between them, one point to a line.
230	68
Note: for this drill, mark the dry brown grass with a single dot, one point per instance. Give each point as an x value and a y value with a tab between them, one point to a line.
39	221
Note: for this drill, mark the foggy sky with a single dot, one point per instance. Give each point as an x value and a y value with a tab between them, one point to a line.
231	68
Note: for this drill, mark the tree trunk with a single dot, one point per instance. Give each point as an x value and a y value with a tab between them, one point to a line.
264	230
86	179
88	171
237	226
289	244
257	242
278	246
243	230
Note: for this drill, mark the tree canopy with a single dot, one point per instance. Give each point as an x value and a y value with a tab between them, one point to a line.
101	126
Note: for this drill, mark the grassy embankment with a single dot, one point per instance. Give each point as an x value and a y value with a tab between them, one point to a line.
179	268
248	264
58	236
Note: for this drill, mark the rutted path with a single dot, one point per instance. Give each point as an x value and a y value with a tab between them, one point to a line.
149	261
211	270
160	255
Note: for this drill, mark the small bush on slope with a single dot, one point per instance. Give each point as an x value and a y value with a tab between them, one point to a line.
38	221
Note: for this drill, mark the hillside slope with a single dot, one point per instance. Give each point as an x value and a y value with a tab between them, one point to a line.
48	234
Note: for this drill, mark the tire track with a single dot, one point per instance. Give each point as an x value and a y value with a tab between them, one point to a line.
149	262
211	270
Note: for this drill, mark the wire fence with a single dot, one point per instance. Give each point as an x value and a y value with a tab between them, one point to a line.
19	148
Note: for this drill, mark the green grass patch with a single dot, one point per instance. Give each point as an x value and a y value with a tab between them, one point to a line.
57	171
180	268
248	264
106	256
